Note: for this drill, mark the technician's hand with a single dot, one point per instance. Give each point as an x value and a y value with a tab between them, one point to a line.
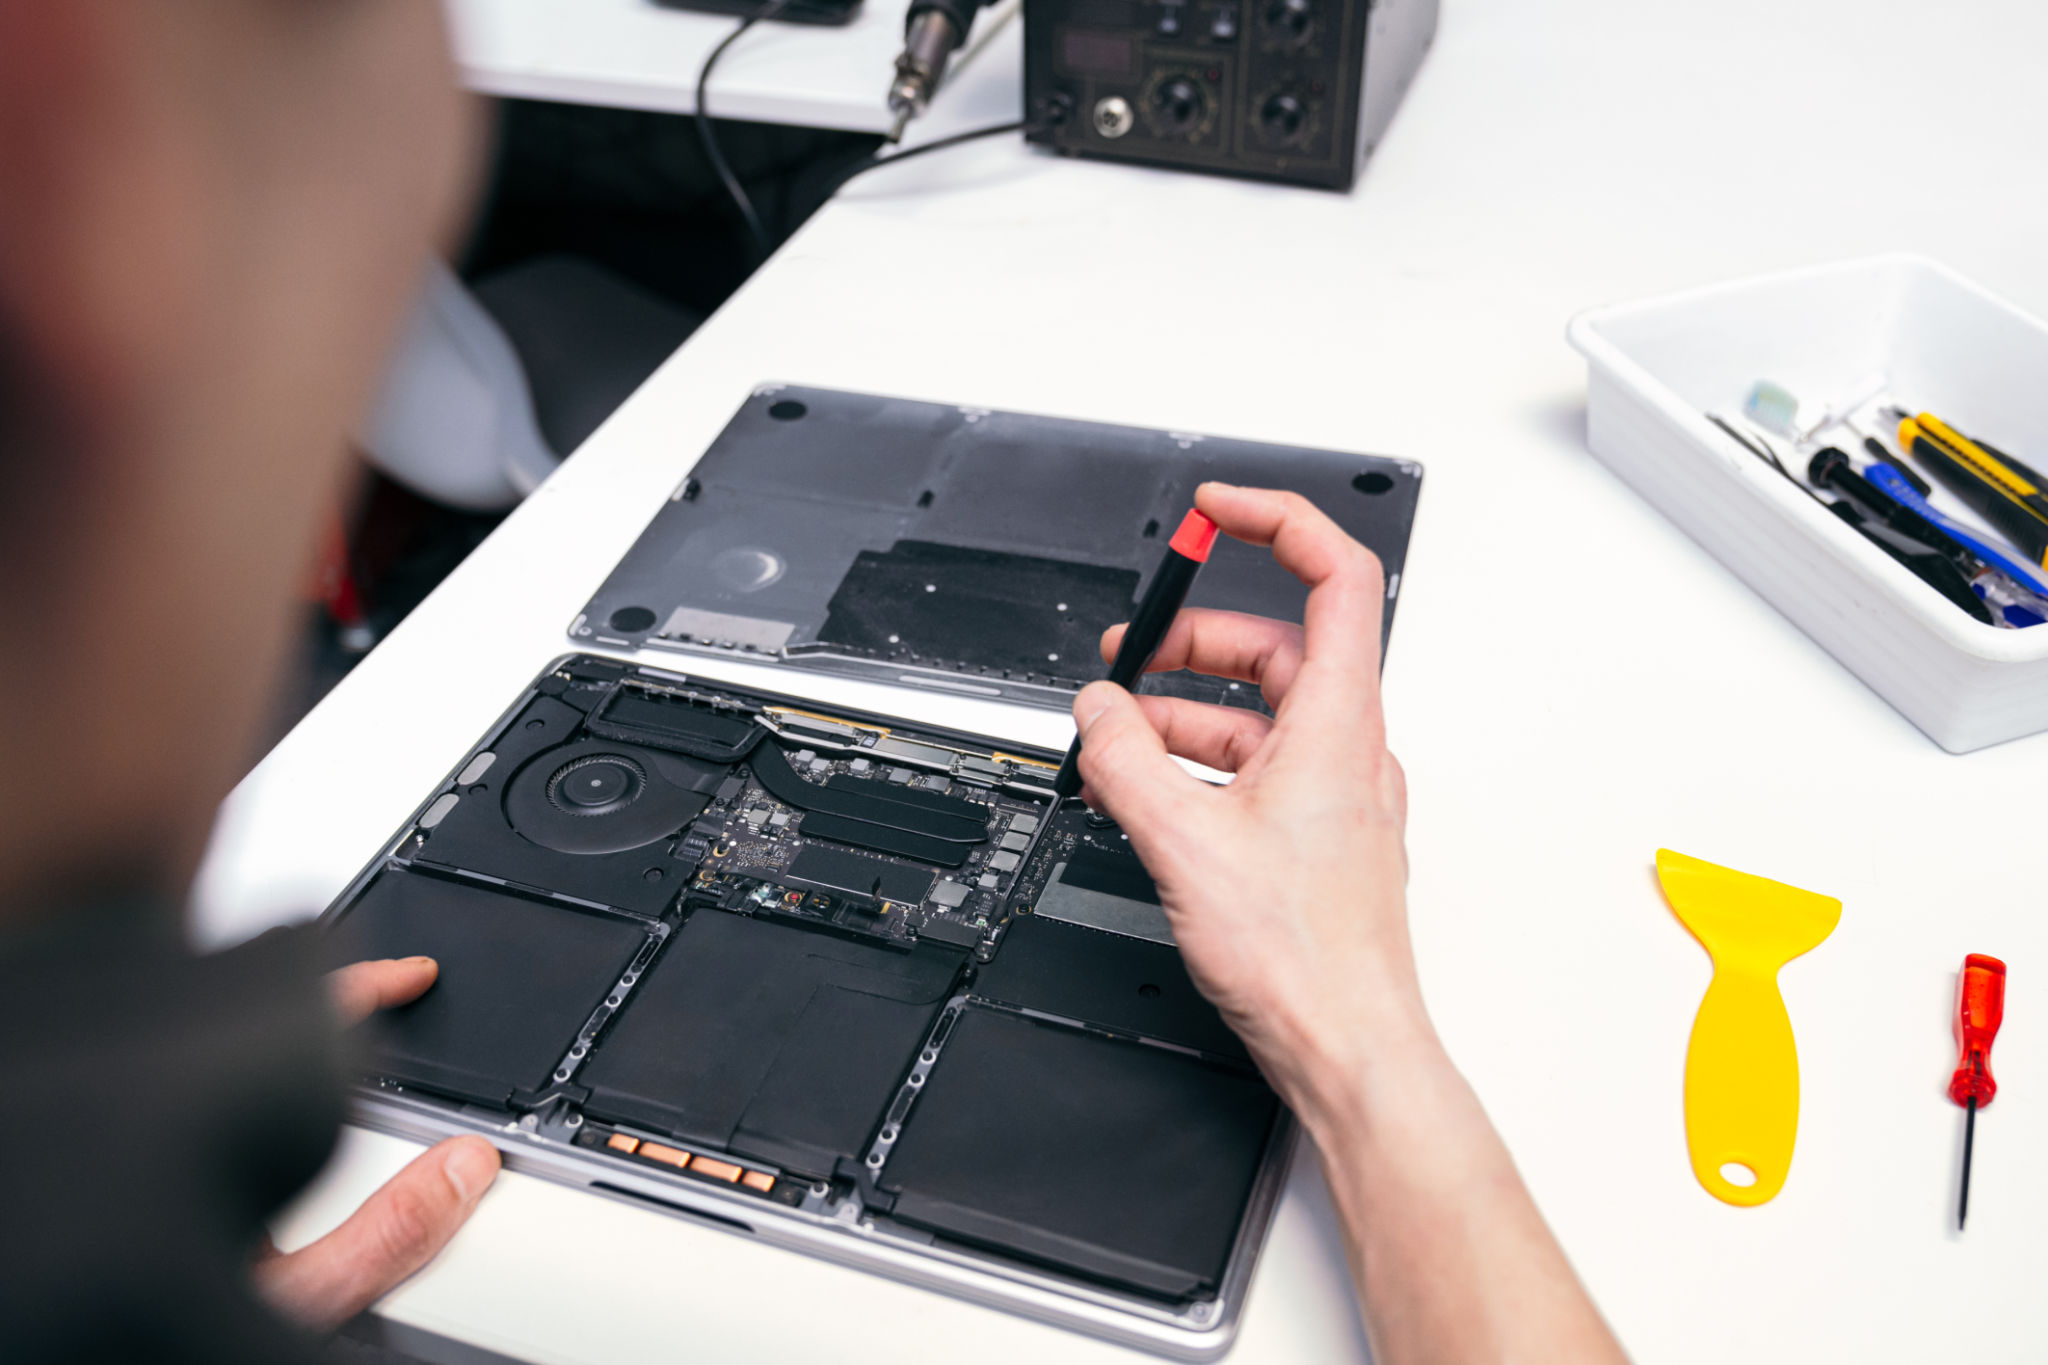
1286	888
1287	892
403	1225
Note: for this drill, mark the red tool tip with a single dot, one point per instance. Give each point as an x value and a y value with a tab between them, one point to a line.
1195	537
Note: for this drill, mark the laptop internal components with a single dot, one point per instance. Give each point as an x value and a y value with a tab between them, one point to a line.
519	977
788	969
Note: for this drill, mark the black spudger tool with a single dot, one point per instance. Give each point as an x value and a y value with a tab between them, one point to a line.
1186	553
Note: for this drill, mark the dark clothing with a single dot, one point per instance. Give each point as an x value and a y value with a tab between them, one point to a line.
158	1108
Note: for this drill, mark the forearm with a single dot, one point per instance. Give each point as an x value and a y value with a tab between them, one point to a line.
1452	1260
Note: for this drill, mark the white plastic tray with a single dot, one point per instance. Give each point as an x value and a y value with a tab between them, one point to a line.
1656	368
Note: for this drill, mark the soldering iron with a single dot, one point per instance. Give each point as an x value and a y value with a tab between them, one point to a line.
932	32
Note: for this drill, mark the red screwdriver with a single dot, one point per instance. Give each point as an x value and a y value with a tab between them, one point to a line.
1980	1008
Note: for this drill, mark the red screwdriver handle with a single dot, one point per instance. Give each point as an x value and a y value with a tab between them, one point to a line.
1980	1008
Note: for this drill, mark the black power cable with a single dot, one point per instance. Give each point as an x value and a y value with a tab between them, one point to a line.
737	191
877	162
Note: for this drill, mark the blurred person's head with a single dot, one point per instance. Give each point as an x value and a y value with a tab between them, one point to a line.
212	216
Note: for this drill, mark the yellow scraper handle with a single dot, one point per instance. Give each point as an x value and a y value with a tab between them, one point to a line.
1742	1086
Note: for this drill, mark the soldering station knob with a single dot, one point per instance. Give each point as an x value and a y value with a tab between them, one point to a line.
1288	22
1281	117
1178	105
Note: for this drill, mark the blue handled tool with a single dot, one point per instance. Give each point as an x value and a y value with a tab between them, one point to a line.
1888	477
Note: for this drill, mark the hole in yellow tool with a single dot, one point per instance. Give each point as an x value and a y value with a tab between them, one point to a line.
1741	1068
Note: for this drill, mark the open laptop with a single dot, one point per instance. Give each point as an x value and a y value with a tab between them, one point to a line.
783	968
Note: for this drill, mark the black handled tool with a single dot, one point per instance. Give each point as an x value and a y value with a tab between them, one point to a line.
1185	555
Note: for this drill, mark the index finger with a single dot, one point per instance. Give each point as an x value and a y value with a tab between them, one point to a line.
1224	644
1346	589
363	988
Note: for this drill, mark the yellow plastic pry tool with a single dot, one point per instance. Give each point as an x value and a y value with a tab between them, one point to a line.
1741	1068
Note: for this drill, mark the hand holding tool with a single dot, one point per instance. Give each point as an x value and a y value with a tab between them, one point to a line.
1980	1009
1186	553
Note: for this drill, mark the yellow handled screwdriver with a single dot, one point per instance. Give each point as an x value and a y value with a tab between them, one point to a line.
1989	482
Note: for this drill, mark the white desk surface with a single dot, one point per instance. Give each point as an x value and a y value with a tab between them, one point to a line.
633	54
1571	685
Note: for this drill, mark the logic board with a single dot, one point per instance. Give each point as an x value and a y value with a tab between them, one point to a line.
757	858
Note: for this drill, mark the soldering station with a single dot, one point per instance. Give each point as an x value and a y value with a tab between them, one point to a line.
1298	91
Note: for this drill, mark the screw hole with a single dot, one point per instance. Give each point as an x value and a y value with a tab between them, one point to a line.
536	725
924	499
1152	529
1735	1173
1373	483
1149	991
788	410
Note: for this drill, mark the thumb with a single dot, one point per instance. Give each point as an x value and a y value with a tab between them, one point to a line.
1125	764
397	1230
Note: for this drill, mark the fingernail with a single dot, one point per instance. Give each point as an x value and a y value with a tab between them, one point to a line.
1089	705
471	1167
423	961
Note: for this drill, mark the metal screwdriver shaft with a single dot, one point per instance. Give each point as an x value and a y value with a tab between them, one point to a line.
1969	1140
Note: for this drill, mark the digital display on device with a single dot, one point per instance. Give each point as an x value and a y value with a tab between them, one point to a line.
1093	52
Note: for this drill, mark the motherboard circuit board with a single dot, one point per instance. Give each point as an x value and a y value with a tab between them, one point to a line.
756	854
